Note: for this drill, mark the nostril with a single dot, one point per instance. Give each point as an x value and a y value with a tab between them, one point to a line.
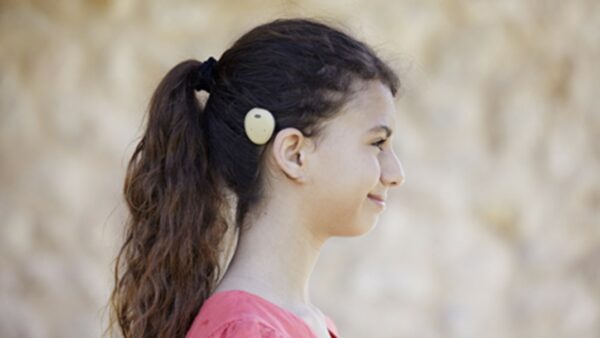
397	182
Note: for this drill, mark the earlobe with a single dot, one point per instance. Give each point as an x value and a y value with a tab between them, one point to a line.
288	153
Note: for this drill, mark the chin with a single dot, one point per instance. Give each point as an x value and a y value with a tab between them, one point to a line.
360	228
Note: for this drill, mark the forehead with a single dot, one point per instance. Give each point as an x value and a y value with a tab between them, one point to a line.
372	105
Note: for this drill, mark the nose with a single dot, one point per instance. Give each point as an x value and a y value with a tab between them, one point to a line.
392	174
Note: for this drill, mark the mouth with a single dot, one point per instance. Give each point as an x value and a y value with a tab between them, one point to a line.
378	200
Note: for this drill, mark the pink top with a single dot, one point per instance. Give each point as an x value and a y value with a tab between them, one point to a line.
238	313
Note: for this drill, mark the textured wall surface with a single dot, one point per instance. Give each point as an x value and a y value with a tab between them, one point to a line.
496	232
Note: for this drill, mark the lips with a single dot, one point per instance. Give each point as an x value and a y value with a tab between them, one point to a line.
377	197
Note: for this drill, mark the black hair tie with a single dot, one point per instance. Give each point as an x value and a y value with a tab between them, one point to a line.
205	77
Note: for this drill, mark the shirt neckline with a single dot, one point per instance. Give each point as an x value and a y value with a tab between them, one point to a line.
288	312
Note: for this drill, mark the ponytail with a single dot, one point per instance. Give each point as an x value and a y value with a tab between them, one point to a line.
169	262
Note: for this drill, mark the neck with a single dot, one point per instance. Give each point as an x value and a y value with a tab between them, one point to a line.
275	256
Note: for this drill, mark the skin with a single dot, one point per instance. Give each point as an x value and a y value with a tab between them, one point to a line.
314	193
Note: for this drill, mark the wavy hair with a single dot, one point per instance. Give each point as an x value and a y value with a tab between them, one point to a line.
193	152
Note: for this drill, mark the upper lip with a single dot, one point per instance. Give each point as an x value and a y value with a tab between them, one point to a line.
377	197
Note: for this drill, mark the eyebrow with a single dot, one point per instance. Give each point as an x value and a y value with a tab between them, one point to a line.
388	131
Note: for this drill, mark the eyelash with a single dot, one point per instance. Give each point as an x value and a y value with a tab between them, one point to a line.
379	143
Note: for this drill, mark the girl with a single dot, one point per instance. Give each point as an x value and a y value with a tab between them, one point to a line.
294	142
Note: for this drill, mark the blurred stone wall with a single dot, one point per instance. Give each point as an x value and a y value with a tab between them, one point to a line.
496	232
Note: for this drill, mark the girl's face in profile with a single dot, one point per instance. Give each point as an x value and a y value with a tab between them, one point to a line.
354	160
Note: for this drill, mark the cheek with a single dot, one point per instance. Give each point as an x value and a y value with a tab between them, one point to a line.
372	166
351	175
337	199
369	169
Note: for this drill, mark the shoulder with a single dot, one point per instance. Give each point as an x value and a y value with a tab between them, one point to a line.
236	314
249	327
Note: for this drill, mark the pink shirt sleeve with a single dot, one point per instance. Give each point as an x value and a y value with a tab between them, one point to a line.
244	328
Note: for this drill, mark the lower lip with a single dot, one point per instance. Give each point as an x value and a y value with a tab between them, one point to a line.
378	202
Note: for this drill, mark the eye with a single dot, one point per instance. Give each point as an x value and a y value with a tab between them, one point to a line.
379	143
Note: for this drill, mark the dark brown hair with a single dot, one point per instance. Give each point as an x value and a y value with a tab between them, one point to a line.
302	71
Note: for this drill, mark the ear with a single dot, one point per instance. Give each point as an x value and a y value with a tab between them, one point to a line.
289	150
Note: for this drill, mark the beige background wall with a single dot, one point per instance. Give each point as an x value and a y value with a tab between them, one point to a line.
496	232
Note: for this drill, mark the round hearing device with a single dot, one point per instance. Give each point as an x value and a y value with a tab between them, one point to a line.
259	125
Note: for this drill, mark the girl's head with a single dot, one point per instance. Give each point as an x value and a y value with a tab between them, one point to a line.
326	91
304	73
